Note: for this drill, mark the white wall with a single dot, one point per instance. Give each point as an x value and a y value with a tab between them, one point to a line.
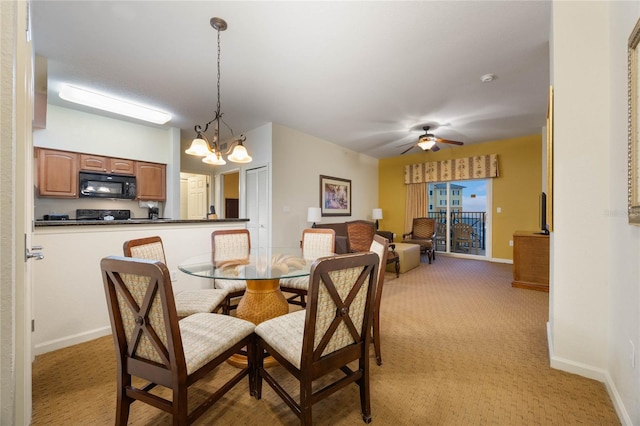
68	294
79	131
298	161
595	280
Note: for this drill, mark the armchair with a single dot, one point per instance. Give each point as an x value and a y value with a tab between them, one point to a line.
423	232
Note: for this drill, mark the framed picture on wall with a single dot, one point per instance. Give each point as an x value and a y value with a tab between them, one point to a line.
335	196
633	157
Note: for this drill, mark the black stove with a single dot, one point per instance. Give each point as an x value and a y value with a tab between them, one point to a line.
91	214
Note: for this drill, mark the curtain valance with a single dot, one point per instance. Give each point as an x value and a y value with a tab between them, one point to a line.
478	167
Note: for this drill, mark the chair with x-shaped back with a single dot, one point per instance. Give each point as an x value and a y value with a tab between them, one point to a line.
153	345
331	335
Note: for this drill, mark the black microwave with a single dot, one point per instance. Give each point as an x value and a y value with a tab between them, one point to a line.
99	185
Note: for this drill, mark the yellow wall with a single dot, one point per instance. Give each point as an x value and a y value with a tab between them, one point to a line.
232	185
516	191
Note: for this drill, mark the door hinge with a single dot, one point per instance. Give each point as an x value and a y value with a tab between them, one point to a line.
33	325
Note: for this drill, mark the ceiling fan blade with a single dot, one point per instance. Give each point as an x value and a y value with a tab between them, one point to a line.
434	148
408	149
450	142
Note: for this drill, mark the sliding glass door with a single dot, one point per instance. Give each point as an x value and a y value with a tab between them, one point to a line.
460	209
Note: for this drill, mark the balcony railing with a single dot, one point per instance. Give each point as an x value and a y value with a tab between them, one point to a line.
477	220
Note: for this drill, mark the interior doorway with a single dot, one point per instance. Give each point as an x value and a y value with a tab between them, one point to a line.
194	196
231	195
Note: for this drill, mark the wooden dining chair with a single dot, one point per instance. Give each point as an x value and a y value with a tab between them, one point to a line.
188	302
230	245
331	335
379	246
316	242
152	345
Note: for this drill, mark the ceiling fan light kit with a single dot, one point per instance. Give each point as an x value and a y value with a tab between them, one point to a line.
428	142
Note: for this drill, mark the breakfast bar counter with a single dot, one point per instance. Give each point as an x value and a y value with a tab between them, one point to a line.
68	293
47	223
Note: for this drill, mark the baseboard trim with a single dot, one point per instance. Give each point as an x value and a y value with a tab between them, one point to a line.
66	341
589	372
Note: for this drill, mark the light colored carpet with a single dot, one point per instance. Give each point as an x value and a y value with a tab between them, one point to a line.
460	346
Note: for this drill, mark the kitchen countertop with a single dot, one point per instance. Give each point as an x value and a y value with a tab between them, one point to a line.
43	223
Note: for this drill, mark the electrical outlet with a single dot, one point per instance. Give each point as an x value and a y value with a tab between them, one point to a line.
174	275
510	243
632	354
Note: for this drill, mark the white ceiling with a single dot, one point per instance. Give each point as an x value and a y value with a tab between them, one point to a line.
357	73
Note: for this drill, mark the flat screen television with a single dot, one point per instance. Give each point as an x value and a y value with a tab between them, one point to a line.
544	228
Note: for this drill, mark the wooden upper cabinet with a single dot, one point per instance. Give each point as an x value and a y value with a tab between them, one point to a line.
101	164
57	173
151	181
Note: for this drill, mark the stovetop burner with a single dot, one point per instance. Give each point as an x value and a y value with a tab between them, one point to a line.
91	214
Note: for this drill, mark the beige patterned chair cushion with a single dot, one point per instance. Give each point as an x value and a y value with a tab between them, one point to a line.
190	302
300	283
314	245
205	336
231	247
343	280
285	334
153	251
231	285
137	286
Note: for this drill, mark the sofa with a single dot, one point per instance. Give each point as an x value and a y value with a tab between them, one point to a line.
342	245
409	254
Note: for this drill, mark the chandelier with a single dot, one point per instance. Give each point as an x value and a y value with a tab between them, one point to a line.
211	150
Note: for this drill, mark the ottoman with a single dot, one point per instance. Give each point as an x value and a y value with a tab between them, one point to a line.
409	255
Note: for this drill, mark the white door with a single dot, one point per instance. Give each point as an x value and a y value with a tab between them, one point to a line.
197	197
17	154
257	183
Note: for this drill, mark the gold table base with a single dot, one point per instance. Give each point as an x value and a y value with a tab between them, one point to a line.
261	301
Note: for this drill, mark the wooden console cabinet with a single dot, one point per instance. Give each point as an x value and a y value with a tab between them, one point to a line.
531	261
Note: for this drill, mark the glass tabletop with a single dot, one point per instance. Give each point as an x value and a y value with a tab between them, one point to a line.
262	264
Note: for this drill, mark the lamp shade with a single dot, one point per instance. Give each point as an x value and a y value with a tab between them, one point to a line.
198	147
314	214
376	214
240	155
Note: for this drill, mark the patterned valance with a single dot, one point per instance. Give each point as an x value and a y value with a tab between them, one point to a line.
479	167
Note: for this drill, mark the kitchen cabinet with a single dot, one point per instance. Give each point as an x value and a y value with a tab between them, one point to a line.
102	164
531	261
57	173
151	181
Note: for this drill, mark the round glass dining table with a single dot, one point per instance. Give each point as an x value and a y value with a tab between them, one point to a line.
262	270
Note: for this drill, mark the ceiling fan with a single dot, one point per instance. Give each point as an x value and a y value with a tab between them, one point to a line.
427	142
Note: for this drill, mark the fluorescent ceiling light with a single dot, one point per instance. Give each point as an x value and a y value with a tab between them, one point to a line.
117	106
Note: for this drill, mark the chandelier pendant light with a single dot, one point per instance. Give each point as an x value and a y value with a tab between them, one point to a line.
210	150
